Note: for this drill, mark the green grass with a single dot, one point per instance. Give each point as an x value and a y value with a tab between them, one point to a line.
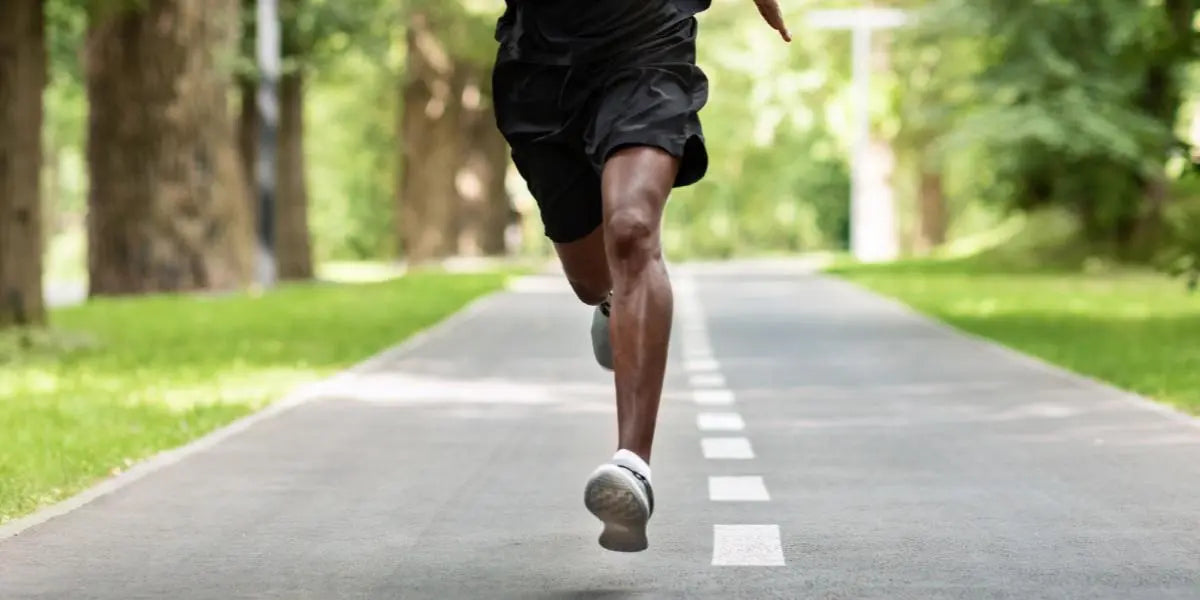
1135	329
121	379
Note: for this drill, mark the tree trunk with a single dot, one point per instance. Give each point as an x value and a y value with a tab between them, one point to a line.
1147	232
485	205
247	88
167	206
431	134
22	79
932	212
292	245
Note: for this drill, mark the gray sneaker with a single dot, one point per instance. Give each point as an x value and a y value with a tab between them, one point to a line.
601	343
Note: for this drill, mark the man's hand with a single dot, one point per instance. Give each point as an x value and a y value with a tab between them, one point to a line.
769	9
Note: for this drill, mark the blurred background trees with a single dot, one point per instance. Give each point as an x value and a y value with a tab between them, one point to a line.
1037	131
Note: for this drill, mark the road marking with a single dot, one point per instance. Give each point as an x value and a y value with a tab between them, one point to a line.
737	489
737	448
747	546
701	365
712	397
698	350
708	380
720	422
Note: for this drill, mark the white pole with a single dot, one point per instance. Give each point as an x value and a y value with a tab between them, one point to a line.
860	236
871	226
268	51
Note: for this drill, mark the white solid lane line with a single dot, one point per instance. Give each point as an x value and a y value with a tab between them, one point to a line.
747	546
735	448
737	489
720	422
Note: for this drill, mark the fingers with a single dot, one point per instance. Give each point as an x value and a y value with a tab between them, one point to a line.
770	11
776	22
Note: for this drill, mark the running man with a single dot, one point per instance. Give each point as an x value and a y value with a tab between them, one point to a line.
599	101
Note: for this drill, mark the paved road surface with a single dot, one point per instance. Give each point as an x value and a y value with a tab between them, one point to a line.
855	451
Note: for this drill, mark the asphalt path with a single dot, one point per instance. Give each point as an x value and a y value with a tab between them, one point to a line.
815	441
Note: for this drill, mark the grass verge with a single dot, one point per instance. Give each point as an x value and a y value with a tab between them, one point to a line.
1135	329
121	379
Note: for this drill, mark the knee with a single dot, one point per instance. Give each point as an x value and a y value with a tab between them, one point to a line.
633	229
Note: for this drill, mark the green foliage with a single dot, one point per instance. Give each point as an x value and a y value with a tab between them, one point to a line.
316	32
1019	105
136	376
466	27
778	179
351	145
1180	255
1073	103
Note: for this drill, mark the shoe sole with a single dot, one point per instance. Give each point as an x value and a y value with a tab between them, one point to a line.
612	499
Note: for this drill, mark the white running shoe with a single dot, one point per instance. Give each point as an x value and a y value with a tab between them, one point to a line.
623	500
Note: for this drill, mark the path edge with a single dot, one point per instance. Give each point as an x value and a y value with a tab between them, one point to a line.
298	396
1143	402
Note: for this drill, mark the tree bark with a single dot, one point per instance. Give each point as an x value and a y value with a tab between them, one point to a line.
292	245
431	134
932	211
167	206
22	80
485	205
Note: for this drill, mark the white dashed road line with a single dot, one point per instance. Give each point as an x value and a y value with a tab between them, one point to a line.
707	380
737	489
701	365
733	545
712	397
736	448
720	422
747	546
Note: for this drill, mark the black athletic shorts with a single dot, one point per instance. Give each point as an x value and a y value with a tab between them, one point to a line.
575	81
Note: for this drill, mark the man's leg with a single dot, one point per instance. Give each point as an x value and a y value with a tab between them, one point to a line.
586	267
635	185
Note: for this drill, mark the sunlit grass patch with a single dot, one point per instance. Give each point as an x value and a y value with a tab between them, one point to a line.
117	380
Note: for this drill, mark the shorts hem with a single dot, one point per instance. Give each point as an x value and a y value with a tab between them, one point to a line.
690	149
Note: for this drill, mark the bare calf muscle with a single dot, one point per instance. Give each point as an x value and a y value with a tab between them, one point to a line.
636	184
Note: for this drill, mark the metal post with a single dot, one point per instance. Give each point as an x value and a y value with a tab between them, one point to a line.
870	237
860	235
269	67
